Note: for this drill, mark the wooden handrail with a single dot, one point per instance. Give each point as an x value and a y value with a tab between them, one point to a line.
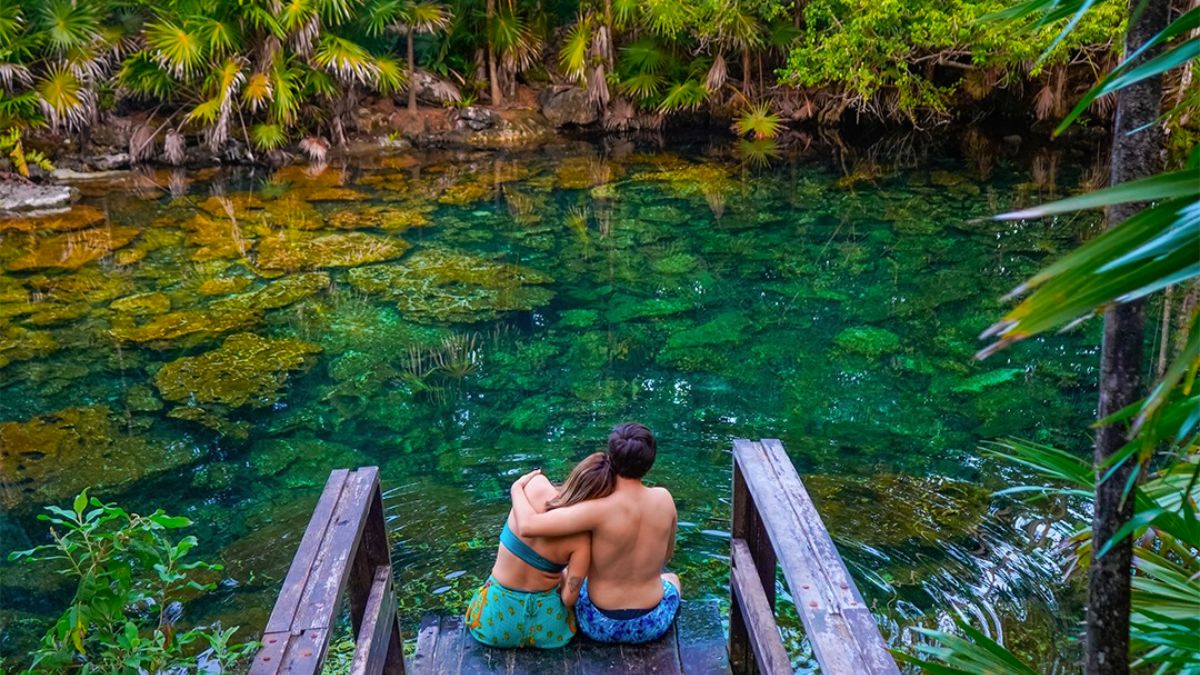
775	522
344	549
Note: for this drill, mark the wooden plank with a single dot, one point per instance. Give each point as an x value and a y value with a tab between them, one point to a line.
427	637
269	657
448	654
306	553
660	657
822	588
331	570
374	638
372	552
306	651
769	654
479	659
700	639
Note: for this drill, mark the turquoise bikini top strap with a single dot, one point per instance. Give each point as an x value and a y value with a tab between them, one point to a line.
523	551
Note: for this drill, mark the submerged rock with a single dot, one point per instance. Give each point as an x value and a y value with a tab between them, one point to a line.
142	304
198	324
305	250
19	195
20	344
66	220
73	250
51	458
894	510
443	285
246	370
869	341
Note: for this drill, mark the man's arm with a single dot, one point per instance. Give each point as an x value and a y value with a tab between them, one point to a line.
577	569
582	517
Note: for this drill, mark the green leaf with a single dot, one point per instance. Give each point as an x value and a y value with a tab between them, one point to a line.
1159	186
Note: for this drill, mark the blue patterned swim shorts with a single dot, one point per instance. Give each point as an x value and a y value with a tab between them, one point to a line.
627	626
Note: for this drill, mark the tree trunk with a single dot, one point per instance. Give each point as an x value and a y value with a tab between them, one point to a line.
412	75
746	72
1137	152
493	80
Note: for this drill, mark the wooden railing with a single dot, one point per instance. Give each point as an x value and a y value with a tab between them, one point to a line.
775	522
344	548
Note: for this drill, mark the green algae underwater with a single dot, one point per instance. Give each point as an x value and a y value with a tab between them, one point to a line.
214	342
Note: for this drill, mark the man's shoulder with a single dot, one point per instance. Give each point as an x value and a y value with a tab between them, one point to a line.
663	496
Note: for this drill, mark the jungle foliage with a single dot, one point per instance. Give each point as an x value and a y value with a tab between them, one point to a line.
1148	255
131	576
268	72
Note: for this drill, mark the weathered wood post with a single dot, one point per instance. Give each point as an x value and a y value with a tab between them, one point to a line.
748	527
775	524
344	549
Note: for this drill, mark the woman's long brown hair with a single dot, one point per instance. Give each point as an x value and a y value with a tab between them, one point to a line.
592	478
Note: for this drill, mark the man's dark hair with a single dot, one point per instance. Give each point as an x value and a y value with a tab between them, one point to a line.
632	448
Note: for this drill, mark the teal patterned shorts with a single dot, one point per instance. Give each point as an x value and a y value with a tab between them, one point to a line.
503	617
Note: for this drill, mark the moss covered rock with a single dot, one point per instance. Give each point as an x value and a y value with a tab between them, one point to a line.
73	250
142	304
444	285
50	458
306	250
246	370
20	344
869	341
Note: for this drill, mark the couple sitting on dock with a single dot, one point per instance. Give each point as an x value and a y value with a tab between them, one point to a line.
597	545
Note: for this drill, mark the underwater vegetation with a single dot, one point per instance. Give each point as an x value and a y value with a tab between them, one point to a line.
457	318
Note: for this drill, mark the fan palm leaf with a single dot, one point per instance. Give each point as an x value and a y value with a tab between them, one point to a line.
69	25
427	17
346	59
573	57
64	97
686	95
178	47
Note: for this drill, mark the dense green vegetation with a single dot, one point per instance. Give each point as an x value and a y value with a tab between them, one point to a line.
1140	552
130	575
267	72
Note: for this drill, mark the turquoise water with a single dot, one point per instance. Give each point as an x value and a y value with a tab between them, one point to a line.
214	342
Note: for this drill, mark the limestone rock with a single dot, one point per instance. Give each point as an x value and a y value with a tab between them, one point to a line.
18	195
568	105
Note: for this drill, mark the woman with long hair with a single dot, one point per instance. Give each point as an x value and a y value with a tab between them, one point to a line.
527	600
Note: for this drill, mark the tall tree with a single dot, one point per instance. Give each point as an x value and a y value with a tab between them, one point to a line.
1137	152
419	17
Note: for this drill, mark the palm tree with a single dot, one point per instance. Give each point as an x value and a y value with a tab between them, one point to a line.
419	17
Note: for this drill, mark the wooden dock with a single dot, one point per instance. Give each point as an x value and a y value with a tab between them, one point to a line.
345	551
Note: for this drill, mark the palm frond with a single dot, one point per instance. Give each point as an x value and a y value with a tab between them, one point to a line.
268	136
69	25
65	99
686	95
179	48
573	57
346	59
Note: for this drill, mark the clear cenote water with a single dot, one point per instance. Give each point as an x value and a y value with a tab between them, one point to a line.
214	342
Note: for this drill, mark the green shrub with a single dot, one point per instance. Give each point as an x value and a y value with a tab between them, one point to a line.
131	577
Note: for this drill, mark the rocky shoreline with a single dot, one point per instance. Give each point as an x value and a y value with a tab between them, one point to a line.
112	146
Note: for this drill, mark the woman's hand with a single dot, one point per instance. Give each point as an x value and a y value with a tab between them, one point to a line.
524	480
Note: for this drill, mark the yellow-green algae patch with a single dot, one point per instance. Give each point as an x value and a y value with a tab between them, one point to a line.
444	285
222	316
142	304
223	285
379	217
246	370
75	218
73	250
317	185
20	344
305	250
47	459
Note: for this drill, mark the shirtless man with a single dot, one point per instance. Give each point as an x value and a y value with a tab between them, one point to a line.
626	598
